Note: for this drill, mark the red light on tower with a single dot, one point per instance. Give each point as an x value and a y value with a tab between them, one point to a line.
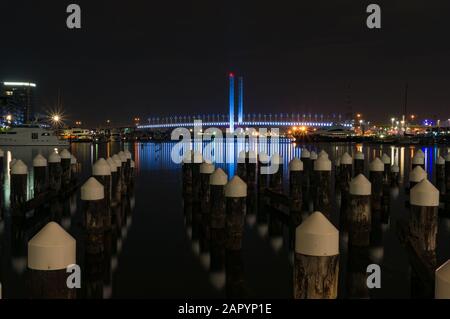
231	74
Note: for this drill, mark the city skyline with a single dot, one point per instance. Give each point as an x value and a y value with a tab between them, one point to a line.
165	60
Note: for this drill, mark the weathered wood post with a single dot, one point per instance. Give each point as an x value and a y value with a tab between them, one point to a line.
376	169
307	168
359	163
132	174
93	196
127	166
276	179
123	172
54	172
440	174
264	161
114	178
186	169
118	194
295	185
316	263
65	168
395	175
252	160
19	179
236	196
2	163
424	200
50	252
101	170
312	182
73	167
206	169
242	165
217	182
360	215
418	159
442	281
416	175
337	169
322	193
346	171
39	174
197	161
387	168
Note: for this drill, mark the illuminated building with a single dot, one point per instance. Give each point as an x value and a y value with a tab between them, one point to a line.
17	101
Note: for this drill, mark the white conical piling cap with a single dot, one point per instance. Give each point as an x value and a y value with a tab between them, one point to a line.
206	168
19	168
385	159
376	165
197	157
101	168
395	168
417	174
359	155
316	236
418	159
313	155
295	165
39	161
447	157
360	185
187	157
54	158
73	160
420	153
52	248
127	154
264	158
236	187
122	156
92	190
424	194
218	177
305	153
440	161
132	164
323	153
252	156
112	164
442	281
276	159
322	163
346	159
65	154
241	156
117	160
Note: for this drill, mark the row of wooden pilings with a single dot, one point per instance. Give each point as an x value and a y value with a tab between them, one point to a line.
52	251
222	203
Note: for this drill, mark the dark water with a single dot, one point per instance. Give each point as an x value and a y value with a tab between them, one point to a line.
158	253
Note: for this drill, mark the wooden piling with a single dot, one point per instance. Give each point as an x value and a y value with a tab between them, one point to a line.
217	182
346	172
123	172
50	252
128	167
236	196
242	165
39	175
442	281
387	169
252	160
360	215
395	175
206	169
307	168
101	170
424	200
93	196
114	178
322	191
19	179
359	163
197	161
186	169
440	174
54	172
295	185
119	182
376	169
65	168
276	179
264	161
316	263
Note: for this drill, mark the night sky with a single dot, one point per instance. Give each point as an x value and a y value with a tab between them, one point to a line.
156	58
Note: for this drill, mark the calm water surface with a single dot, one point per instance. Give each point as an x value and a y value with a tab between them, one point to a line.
156	253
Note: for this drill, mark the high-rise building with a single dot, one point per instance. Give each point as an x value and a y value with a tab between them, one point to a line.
17	102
